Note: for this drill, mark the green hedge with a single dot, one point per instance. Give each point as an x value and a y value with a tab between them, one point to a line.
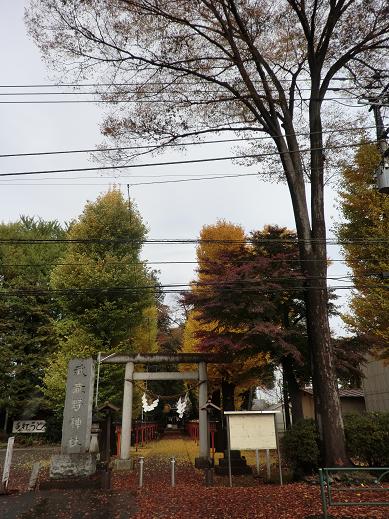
367	442
300	447
367	438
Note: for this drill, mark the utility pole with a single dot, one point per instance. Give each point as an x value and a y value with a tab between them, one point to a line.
382	173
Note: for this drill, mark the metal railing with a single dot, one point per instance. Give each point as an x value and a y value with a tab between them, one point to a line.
330	493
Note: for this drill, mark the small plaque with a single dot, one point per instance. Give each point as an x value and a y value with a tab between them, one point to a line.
29	426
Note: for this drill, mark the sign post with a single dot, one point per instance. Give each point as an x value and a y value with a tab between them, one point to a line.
252	430
7	463
229	450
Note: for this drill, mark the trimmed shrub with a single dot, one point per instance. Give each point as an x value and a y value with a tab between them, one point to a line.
367	438
300	446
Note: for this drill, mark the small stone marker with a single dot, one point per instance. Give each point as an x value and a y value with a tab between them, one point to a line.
7	463
34	475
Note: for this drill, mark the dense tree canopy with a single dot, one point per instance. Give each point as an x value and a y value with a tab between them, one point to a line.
27	333
105	292
206	331
366	213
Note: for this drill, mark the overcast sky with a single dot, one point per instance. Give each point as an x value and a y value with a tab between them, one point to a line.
170	210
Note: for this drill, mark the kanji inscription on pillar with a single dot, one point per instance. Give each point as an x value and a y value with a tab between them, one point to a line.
77	417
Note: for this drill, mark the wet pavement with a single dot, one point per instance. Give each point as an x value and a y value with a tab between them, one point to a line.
72	504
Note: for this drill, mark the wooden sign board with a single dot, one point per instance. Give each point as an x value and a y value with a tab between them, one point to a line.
252	430
29	426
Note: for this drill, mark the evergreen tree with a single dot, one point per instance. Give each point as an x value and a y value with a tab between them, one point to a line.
27	313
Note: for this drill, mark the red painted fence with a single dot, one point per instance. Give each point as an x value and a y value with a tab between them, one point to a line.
192	429
143	432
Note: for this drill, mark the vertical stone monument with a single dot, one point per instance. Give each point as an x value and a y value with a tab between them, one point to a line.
75	459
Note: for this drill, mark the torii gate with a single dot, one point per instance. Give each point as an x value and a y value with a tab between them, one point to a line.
155	358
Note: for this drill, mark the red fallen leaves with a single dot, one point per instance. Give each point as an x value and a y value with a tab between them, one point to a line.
191	499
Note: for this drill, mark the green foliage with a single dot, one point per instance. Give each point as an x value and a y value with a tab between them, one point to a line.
367	438
367	442
27	333
366	216
106	275
53	432
104	303
300	446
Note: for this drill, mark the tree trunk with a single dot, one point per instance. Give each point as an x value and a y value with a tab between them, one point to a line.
228	391
294	391
327	404
216	397
285	399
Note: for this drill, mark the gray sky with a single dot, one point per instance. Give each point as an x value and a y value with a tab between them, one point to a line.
170	210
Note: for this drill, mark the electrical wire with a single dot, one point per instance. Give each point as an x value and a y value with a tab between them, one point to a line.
299	276
190	241
140	90
179	162
171	262
171	101
176	288
192	143
134	184
96	85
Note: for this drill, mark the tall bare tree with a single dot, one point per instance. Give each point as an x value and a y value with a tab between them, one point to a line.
192	67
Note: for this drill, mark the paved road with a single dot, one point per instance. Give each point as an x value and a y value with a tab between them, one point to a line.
57	504
72	504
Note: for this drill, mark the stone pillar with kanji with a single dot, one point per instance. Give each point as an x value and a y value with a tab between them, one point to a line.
75	459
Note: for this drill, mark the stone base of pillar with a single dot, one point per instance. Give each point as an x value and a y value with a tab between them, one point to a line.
238	464
72	465
203	463
123	464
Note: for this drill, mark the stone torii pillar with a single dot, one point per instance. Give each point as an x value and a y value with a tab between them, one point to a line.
203	416
125	439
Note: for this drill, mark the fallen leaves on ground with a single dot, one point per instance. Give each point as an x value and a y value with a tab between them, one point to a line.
249	497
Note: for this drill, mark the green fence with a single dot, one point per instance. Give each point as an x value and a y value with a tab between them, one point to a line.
330	492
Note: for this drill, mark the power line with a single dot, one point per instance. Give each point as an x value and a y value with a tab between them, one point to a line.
189	241
178	162
172	101
191	143
165	91
178	262
96	85
173	288
133	184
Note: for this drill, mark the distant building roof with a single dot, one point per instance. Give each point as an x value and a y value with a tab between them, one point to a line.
343	393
